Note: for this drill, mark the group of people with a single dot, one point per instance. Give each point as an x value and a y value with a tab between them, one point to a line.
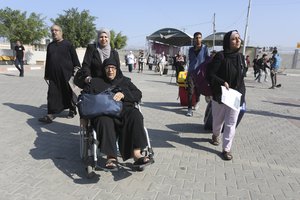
225	68
100	70
157	60
265	65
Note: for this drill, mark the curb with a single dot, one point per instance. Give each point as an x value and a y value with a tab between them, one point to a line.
10	68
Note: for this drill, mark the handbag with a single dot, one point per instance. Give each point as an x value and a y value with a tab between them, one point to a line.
93	105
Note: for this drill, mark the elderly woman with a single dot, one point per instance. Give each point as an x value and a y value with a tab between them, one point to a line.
129	127
226	70
92	65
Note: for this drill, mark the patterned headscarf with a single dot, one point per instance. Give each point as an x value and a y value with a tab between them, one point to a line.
104	51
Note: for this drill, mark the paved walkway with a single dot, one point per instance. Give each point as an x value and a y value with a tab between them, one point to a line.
41	162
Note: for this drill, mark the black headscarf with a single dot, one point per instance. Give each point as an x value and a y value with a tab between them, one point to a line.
233	62
226	42
98	85
112	61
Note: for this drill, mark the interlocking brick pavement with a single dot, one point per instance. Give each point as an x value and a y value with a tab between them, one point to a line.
40	161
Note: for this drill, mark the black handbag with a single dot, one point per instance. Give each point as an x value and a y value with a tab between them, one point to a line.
93	105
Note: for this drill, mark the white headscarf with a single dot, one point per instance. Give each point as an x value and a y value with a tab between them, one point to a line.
104	51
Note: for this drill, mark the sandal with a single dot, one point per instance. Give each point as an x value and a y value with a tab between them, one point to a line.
111	164
227	155
142	162
46	119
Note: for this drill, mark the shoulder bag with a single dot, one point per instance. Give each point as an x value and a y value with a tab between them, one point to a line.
93	105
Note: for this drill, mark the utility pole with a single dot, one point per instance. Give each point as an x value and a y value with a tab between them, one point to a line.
214	31
246	29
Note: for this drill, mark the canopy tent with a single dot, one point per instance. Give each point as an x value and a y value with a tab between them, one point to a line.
171	36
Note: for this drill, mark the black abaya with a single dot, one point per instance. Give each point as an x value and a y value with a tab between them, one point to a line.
60	62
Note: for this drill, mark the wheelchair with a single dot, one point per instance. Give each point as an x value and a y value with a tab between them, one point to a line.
89	151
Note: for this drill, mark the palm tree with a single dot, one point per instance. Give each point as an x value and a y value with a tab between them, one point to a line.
117	41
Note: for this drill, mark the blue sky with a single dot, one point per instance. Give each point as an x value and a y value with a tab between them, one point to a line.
271	22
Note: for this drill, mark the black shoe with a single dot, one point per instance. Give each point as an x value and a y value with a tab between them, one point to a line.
72	114
215	140
227	155
46	119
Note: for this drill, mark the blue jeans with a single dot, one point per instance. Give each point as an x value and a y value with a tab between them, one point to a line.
21	68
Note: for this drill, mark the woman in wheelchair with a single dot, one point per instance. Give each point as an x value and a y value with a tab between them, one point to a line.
128	129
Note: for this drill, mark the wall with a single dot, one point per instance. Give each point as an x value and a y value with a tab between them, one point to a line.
38	57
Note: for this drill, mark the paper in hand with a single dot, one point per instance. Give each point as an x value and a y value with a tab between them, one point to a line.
231	98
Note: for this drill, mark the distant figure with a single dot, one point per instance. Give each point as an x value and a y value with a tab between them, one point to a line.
247	59
141	62
161	63
262	65
150	61
179	63
19	57
255	66
130	61
61	59
126	62
275	65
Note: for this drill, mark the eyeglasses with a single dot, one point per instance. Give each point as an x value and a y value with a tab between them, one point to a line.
55	30
107	68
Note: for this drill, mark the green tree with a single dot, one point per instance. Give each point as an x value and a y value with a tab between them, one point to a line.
14	25
78	27
117	41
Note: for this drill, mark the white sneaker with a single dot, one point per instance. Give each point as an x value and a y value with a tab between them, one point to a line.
189	113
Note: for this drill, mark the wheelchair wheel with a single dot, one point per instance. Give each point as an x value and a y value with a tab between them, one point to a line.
90	171
83	145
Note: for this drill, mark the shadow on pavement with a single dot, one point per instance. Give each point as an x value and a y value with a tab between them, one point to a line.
9	75
267	113
284	103
163	139
55	141
166	106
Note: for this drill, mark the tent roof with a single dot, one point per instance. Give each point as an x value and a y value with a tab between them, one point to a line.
171	36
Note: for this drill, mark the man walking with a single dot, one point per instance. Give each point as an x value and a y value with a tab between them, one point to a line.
275	65
61	59
19	57
197	55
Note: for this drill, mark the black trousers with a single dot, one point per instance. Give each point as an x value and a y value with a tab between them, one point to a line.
21	68
130	67
191	90
129	131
